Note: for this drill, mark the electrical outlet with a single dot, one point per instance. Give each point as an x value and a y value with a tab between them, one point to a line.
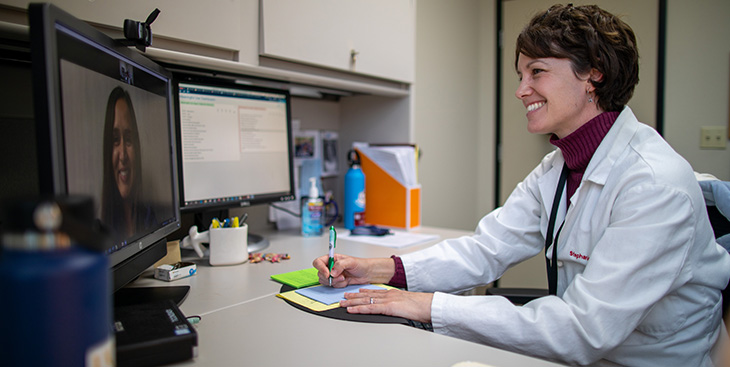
713	137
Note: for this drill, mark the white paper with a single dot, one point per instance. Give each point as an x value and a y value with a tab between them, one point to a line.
398	161
398	239
329	295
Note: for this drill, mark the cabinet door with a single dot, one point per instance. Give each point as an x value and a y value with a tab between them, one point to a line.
212	22
371	37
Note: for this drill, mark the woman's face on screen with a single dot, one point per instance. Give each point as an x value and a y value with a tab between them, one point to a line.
123	153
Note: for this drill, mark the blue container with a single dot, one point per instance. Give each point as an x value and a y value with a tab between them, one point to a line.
56	306
354	205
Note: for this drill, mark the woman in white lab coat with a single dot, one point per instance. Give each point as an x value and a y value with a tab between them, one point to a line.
638	272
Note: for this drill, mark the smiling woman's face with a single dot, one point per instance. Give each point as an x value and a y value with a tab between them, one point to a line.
123	153
557	101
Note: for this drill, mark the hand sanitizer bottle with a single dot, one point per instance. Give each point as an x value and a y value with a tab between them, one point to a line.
312	211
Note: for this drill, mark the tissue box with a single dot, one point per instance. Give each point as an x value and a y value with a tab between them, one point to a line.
170	272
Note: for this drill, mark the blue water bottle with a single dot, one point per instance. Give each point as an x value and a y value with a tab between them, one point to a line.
354	192
56	299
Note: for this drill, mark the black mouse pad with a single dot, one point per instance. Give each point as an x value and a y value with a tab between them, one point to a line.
341	313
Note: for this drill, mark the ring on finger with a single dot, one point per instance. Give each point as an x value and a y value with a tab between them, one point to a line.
372	301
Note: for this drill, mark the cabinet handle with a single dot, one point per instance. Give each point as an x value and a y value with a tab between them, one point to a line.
353	58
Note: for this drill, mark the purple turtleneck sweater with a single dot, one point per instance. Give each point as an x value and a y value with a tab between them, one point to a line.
577	148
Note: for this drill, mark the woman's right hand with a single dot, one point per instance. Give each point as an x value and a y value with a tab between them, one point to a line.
349	270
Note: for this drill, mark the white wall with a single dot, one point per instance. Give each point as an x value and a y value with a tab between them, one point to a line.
697	80
521	151
454	97
486	76
457	169
454	110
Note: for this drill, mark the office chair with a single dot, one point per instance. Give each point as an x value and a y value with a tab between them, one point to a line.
518	296
717	200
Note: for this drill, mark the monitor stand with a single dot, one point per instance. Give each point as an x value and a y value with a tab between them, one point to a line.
130	269
256	243
138	295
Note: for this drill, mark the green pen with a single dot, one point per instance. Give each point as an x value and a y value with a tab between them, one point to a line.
333	238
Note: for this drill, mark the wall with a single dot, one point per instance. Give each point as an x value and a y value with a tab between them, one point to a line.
486	127
448	38
521	150
454	110
454	102
697	80
457	170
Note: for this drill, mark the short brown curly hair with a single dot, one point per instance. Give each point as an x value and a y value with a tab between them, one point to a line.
589	37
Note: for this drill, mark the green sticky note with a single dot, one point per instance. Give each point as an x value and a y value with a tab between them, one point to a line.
299	278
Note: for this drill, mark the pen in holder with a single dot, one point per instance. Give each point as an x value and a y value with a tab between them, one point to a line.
227	246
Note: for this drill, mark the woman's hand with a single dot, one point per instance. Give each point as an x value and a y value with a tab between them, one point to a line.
354	270
394	302
346	270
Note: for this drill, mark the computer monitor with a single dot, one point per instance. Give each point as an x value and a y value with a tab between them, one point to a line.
105	129
234	146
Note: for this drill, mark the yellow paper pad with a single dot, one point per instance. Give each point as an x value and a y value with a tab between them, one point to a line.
311	304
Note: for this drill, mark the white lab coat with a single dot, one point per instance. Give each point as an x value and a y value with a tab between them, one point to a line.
639	272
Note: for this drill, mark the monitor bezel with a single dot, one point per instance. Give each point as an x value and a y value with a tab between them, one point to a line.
43	20
229	81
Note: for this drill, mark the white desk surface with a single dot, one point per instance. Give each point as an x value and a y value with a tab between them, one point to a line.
244	323
217	287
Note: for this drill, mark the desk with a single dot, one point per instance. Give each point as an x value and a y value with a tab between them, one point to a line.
244	323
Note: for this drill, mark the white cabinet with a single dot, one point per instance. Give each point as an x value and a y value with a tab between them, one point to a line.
213	23
376	103
370	37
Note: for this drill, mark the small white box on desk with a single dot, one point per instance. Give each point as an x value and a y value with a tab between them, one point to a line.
229	245
170	272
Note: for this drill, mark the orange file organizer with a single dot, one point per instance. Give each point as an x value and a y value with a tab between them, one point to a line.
388	202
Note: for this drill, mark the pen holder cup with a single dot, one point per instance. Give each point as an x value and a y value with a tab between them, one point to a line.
228	246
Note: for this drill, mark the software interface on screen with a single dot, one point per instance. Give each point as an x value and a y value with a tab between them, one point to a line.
234	144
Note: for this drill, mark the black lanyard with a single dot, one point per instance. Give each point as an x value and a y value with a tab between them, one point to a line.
552	266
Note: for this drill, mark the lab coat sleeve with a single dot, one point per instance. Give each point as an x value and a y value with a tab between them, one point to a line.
469	261
636	262
504	237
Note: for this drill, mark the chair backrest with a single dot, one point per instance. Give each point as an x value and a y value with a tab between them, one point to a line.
717	199
720	224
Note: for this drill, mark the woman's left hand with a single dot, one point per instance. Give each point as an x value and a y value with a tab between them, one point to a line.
394	302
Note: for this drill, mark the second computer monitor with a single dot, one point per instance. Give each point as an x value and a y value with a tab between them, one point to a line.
234	143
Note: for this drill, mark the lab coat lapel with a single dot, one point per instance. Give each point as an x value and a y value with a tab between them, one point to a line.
548	184
612	146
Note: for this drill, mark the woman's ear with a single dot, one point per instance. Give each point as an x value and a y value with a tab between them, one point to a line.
596	76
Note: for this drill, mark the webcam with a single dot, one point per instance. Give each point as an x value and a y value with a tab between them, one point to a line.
139	34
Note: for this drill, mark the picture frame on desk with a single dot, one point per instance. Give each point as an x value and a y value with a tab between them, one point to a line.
307	144
312	144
